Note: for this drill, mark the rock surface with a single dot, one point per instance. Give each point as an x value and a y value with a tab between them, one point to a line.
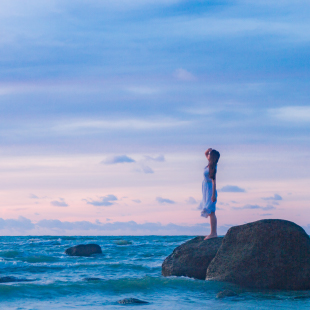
126	301
267	254
84	250
192	258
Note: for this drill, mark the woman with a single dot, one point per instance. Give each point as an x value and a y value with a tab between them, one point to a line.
209	193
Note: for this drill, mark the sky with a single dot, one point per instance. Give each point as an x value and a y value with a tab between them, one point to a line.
107	108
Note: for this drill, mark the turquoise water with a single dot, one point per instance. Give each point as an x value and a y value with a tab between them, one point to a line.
129	267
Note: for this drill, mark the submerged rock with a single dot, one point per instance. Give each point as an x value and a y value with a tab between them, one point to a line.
122	242
92	279
267	254
84	250
126	301
226	293
192	258
9	279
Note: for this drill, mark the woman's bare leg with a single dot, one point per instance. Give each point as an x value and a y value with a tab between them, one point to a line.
213	222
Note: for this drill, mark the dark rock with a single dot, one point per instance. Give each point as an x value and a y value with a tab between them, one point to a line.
192	258
267	254
84	250
126	301
226	293
9	279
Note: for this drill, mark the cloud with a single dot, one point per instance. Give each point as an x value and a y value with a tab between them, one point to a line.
24	226
59	203
275	197
266	214
105	201
191	201
232	189
117	160
83	125
183	75
33	196
21	224
146	169
136	200
143	167
254	207
164	200
291	113
160	158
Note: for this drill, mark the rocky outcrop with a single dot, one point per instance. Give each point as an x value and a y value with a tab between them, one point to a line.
192	258
84	250
267	254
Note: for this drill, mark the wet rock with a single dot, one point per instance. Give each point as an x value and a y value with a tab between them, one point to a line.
192	258
226	293
84	250
267	254
10	279
127	301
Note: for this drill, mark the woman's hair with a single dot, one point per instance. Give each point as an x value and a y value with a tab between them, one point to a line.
214	158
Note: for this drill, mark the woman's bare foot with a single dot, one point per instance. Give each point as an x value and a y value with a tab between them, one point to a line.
210	236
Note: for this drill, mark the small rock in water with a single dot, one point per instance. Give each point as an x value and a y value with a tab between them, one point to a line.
9	279
122	242
84	250
226	293
127	301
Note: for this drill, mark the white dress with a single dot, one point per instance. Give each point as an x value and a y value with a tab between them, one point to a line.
206	205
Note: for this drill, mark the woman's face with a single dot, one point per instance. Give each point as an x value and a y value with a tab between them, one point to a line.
208	157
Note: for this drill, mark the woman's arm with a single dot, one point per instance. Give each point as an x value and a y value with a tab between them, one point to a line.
213	198
208	151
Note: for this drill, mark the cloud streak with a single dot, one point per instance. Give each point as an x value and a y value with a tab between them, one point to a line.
164	200
105	201
117	160
274	197
59	203
232	189
159	158
254	207
191	201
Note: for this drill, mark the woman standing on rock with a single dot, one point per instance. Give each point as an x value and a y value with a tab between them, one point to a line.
209	193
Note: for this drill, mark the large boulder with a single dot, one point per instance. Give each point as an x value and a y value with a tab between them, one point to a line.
84	250
267	254
192	258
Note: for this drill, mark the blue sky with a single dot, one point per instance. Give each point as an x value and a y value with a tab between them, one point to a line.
88	83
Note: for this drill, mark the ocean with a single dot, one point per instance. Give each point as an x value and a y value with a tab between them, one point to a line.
130	267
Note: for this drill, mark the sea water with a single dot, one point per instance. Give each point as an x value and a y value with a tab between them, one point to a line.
130	267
